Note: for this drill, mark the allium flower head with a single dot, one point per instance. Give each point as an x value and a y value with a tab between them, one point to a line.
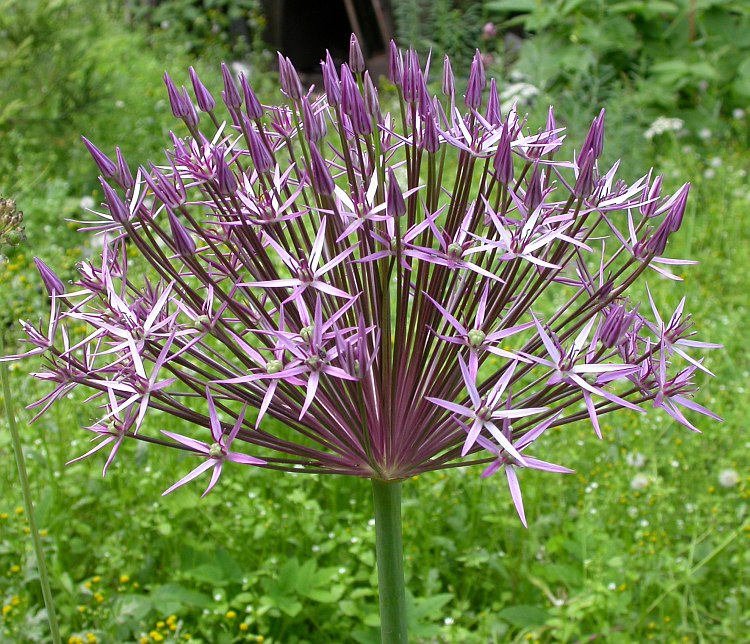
321	286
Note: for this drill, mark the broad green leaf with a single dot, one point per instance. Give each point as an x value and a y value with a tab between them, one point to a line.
524	616
177	594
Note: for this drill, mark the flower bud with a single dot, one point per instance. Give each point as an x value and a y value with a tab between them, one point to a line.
430	138
314	125
652	196
449	83
331	81
395	64
289	79
585	180
494	115
252	105
181	238
551	124
321	176
124	176
615	325
52	282
104	163
595	138
225	179
171	193
502	162
11	223
395	206
117	208
258	153
191	117
371	98
412	73
674	217
533	195
356	59
231	96
473	97
206	102
176	101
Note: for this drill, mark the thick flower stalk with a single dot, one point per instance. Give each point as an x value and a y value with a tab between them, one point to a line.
334	289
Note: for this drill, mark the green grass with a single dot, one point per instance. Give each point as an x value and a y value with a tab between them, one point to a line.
643	543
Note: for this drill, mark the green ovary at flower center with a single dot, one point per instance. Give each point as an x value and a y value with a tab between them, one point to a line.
484	413
201	322
216	450
314	362
476	338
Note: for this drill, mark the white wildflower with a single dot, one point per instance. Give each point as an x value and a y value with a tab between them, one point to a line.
639	482
635	459
663	124
522	93
728	478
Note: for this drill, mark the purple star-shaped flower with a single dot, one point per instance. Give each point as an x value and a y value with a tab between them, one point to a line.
217	453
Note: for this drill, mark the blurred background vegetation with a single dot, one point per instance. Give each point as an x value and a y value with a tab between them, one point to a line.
609	555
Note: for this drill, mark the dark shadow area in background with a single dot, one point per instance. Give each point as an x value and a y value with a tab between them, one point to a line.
304	29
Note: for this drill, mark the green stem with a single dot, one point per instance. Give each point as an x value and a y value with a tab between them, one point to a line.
390	555
26	492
